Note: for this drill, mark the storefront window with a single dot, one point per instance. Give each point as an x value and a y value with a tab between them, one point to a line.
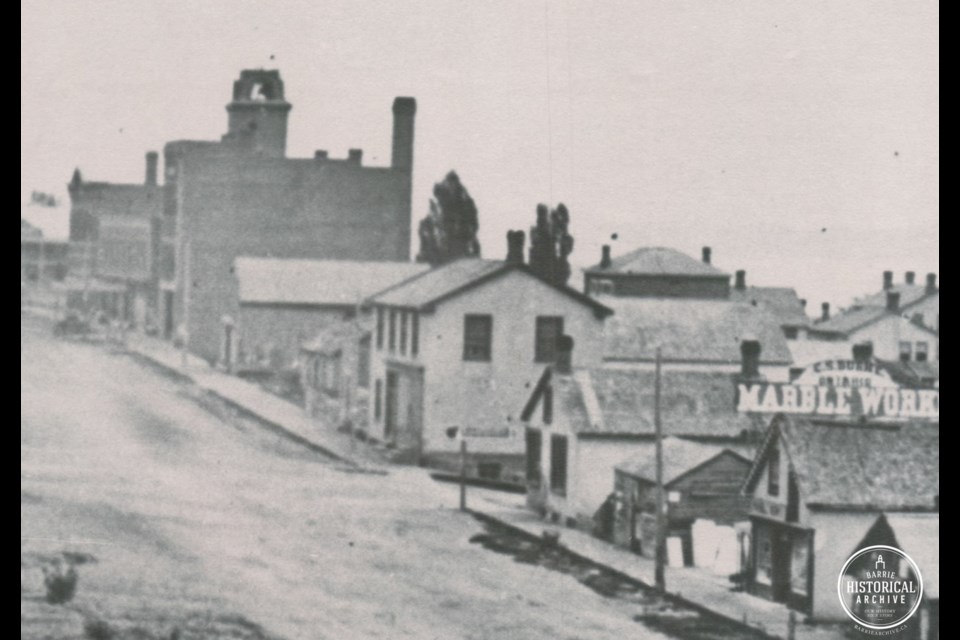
799	564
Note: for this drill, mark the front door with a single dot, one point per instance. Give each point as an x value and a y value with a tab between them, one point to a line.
390	413
781	553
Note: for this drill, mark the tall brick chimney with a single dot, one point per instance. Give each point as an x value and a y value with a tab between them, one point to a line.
404	112
151	175
887	280
355	156
740	280
893	301
931	283
706	254
515	242
605	260
564	363
750	358
909	277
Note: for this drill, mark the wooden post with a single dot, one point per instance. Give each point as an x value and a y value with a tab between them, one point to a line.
792	626
661	542
463	473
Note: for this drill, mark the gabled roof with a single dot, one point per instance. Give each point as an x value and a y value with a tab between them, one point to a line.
679	457
657	261
918	535
316	282
909	294
691	330
782	302
432	287
620	402
858	317
849	466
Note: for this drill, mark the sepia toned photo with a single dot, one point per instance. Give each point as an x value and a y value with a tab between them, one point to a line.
446	320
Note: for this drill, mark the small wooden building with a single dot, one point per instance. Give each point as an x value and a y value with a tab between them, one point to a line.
701	482
817	487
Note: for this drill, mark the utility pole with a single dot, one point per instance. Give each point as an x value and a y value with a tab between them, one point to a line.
661	543
463	472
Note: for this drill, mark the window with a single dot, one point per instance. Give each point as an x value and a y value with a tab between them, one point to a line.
414	333
363	362
403	332
906	351
764	550
548	330
477	336
393	329
379	328
923	351
534	456
558	464
773	472
601	286
489	470
377	402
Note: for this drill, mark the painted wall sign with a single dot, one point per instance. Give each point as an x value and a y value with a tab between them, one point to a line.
840	388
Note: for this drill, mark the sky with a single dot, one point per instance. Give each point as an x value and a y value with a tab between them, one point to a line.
800	140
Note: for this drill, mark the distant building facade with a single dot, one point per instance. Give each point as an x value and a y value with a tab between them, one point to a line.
283	303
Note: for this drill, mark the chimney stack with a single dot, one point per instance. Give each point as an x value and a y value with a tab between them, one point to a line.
893	301
515	241
740	280
706	254
803	302
320	154
863	352
887	280
605	260
355	156
931	283
825	311
404	111
564	363
151	177
750	358
909	277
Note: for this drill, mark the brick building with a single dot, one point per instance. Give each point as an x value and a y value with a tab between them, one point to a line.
241	196
113	243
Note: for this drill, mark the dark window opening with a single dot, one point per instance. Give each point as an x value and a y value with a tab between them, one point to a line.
548	331
379	328
393	330
773	472
403	333
377	401
415	334
558	464
534	456
489	470
477	337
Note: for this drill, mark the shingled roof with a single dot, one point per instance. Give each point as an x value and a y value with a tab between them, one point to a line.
317	282
658	261
446	281
856	317
858	466
782	302
909	295
611	402
691	330
679	457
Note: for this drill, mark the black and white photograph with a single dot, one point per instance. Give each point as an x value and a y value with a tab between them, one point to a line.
519	319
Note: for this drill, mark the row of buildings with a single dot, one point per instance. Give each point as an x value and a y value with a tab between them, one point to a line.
781	430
